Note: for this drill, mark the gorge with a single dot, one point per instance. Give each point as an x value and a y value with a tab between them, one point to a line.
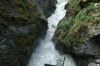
46	53
55	32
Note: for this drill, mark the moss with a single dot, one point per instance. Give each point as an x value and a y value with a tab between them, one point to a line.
1	8
24	8
25	41
75	4
77	25
21	12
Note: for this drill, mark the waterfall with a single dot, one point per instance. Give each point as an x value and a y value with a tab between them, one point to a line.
46	53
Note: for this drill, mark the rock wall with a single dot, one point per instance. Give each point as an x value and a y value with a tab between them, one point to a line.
79	32
21	24
48	6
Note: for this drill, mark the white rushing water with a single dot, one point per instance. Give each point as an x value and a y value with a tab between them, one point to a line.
46	53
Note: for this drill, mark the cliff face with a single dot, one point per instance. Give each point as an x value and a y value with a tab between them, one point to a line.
79	32
21	23
48	6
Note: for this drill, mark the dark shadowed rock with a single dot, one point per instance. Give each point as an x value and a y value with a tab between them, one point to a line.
21	24
48	6
49	65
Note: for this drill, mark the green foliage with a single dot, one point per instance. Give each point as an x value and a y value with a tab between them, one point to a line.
24	8
81	18
65	23
75	4
77	24
62	24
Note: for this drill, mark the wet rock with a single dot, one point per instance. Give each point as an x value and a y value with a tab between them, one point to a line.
79	32
95	63
21	23
48	6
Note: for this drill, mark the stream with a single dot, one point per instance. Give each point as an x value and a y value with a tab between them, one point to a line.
45	52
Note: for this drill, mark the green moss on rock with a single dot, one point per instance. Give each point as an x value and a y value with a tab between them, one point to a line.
25	41
76	29
21	23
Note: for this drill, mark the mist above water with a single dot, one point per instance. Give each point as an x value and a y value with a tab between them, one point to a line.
45	53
